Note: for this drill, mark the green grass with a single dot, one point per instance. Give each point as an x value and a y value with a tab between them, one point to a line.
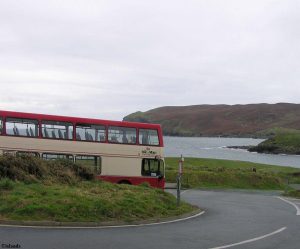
214	173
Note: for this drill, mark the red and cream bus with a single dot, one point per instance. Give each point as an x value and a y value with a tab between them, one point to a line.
119	152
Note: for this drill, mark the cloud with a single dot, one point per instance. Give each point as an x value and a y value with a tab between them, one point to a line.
107	59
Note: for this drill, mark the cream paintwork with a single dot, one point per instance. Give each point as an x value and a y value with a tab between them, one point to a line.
117	166
117	159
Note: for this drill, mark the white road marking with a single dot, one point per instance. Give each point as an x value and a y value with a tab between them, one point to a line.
103	227
251	240
294	200
291	203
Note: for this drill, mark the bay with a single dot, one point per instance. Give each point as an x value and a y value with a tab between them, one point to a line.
214	147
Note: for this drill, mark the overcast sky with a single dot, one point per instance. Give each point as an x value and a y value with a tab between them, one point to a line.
106	59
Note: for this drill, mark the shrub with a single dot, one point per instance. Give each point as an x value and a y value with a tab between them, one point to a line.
30	169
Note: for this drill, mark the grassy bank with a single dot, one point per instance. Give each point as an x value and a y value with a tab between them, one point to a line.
35	190
281	141
85	201
214	173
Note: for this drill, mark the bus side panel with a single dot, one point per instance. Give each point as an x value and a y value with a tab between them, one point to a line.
73	147
153	181
121	166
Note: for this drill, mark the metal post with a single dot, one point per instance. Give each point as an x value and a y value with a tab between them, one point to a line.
178	179
287	185
178	189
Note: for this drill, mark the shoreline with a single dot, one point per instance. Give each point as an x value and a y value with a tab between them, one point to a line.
252	149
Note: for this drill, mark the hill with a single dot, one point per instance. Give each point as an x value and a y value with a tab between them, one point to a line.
221	120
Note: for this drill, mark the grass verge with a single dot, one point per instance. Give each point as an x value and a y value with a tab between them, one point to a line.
214	173
293	193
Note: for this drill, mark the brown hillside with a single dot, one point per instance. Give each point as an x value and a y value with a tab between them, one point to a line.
221	120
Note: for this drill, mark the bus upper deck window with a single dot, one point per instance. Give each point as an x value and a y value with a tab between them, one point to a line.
88	132
123	135
57	130
22	127
148	137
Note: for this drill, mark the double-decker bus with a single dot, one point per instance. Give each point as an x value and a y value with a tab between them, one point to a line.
119	152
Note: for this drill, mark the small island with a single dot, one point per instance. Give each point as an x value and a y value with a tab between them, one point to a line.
283	141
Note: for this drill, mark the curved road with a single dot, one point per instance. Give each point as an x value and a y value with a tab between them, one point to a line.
231	220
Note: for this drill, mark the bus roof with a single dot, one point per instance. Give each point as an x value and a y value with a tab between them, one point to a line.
78	120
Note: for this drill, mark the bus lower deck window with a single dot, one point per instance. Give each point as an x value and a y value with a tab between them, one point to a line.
48	156
90	161
27	153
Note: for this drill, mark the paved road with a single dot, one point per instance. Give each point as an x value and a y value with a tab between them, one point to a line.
231	220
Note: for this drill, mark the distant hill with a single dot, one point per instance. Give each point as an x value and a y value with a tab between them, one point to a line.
222	120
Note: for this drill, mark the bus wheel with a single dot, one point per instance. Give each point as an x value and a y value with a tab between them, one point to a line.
124	182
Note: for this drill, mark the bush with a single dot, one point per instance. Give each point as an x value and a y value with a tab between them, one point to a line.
30	169
20	168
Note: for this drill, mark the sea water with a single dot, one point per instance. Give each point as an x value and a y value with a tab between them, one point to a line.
215	147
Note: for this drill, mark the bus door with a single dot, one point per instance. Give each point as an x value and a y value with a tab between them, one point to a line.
154	169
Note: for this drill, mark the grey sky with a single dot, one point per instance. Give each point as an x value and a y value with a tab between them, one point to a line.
109	58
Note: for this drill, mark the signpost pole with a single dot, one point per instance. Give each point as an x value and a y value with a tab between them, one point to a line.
178	179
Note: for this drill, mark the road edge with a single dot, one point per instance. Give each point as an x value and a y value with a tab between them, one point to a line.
110	224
